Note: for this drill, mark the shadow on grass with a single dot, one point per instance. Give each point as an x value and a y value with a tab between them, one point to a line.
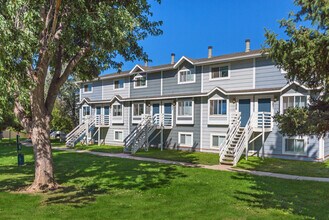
83	177
297	197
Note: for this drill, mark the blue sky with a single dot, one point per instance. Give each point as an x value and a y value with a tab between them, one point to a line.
190	26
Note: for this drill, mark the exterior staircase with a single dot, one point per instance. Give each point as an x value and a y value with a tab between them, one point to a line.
238	138
80	131
139	137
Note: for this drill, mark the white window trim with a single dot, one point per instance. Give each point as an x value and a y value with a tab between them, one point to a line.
187	82
211	138
219	122
220	78
117	140
292	94
124	82
214	99
264	97
140	87
182	116
90	110
186	133
137	103
112	112
102	109
83	88
298	138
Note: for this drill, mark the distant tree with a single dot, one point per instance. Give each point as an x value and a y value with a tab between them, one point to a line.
61	120
63	38
305	57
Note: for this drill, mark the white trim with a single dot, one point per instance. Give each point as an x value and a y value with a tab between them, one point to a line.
292	95
117	140
220	117
136	66
124	82
264	97
185	133
201	123
295	138
90	110
137	103
201	78
141	87
80	94
254	73
185	122
296	83
219	66
321	148
112	112
186	82
251	103
211	138
161	83
181	60
83	88
100	106
229	59
102	89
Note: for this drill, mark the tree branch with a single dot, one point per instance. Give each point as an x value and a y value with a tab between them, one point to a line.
21	114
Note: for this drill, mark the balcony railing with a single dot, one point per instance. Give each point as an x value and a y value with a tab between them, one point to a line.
163	119
102	120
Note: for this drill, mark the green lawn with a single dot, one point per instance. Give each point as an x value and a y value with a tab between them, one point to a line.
303	168
113	188
101	148
182	156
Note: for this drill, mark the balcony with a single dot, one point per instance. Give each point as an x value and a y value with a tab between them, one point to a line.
102	120
166	120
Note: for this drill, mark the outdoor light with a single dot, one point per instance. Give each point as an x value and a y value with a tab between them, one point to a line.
275	99
234	100
137	77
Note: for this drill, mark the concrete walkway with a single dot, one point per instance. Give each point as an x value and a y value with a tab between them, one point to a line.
211	167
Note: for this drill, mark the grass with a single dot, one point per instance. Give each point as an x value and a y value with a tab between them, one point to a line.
113	188
302	168
182	156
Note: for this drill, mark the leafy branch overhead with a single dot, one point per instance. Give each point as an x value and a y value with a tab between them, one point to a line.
305	57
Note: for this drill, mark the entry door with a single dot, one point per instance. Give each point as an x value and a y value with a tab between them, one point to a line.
244	108
155	108
264	105
167	110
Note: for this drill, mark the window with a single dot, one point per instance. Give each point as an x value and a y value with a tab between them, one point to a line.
119	84
185	108
293	145
98	110
218	107
185	139
87	88
138	109
217	140
118	135
293	101
85	110
219	72
185	76
117	110
106	110
140	82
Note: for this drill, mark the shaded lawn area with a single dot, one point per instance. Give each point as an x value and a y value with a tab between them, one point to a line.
113	188
101	148
182	156
302	168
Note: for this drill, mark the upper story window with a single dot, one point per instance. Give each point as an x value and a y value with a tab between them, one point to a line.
138	109
293	101
185	76
117	110
219	72
185	108
87	88
218	107
119	84
140	82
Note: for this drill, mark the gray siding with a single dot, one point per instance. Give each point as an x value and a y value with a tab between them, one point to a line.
326	146
268	75
96	94
240	76
170	81
153	86
109	91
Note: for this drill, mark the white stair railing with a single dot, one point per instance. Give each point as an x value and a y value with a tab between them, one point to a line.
80	130
235	121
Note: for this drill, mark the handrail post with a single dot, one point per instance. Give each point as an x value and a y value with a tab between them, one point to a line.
263	137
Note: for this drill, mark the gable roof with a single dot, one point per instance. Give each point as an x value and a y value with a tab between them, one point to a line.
182	59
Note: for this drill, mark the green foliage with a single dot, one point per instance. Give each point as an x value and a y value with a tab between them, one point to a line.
305	57
61	120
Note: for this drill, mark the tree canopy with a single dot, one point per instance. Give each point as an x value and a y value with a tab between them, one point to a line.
305	57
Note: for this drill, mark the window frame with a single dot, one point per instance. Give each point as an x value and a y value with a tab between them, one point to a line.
140	87
180	121
217	99
292	95
211	139
186	82
118	140
133	107
185	133
82	112
83	88
117	116
303	138
124	82
219	66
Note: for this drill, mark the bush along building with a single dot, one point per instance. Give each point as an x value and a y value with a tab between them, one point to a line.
221	104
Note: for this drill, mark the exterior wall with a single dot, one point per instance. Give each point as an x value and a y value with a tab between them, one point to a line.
268	75
170	81
240	76
326	147
153	86
109	91
96	93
